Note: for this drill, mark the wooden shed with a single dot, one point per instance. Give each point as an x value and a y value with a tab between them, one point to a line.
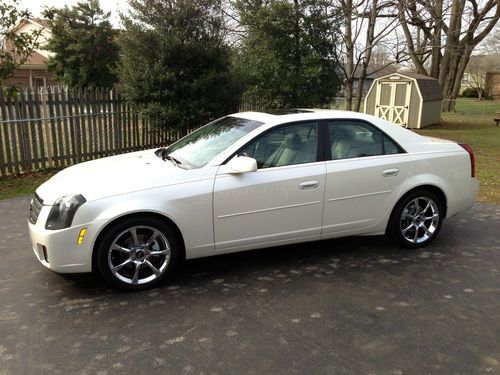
406	99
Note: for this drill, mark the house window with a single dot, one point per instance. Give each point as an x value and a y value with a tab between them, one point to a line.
39	81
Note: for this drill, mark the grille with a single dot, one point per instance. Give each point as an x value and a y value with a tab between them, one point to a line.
35	207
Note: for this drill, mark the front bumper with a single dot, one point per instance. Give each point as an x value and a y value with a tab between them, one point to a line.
58	249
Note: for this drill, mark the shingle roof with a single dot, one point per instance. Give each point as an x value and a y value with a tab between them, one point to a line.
36	58
429	87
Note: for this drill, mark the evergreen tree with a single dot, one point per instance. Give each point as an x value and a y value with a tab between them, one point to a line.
84	44
286	53
175	67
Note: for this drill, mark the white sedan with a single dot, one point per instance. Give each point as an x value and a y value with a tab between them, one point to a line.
246	181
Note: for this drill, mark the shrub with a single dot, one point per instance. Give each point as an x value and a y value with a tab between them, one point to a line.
470	92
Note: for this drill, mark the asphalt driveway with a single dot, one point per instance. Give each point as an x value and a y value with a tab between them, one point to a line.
350	306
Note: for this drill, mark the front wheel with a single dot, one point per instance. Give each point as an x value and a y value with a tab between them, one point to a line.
416	219
138	253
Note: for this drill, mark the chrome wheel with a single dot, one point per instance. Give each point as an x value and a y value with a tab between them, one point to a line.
139	255
419	220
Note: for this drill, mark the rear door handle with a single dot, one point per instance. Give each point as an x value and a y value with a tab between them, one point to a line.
308	185
390	172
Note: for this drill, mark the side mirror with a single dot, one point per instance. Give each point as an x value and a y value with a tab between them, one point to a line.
241	164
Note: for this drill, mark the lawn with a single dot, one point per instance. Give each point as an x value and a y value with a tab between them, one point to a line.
14	186
468	126
479	110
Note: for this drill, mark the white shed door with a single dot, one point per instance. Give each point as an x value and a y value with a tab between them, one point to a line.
392	101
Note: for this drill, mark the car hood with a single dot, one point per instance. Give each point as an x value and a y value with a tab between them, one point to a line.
109	176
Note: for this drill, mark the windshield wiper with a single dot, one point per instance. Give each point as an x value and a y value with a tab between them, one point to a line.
162	153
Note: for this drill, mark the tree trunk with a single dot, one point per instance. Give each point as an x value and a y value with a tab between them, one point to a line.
452	85
436	43
452	40
297	58
349	64
348	84
370	38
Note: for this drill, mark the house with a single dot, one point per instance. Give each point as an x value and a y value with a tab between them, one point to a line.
34	72
480	72
492	84
370	77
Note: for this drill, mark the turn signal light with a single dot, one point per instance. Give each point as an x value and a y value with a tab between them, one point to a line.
79	241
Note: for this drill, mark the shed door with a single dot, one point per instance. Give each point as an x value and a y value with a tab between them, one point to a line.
392	101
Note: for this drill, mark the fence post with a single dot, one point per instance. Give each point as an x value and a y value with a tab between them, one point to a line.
46	126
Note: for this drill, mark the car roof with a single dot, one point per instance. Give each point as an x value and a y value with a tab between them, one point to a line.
299	114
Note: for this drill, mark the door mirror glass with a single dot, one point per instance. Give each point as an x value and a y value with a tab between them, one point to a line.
242	164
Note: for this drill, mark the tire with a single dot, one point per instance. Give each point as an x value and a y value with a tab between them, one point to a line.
138	253
416	219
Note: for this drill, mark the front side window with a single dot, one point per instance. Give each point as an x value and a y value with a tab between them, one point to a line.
286	145
355	139
198	148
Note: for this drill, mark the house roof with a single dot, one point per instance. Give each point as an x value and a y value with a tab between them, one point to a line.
429	87
484	63
42	22
36	60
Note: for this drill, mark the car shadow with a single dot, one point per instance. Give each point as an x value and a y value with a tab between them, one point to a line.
197	272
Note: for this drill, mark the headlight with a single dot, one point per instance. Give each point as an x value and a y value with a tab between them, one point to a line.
62	212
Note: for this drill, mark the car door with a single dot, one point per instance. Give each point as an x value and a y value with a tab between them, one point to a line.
365	174
282	201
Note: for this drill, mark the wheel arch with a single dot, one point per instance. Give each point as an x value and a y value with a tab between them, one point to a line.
127	216
432	188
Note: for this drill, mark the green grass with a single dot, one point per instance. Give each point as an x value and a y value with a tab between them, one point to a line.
13	186
484	138
473	110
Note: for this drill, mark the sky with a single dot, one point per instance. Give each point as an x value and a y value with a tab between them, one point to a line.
113	6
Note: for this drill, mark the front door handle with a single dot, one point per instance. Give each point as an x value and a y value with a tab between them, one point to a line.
308	185
390	172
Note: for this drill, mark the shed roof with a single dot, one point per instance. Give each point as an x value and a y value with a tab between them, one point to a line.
429	87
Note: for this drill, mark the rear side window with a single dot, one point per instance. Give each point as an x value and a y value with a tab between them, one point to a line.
355	139
390	147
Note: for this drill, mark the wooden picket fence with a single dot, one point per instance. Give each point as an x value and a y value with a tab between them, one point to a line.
55	127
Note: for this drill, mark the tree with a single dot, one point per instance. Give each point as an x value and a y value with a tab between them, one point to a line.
175	67
85	50
476	74
15	48
382	60
491	44
441	36
365	24
286	53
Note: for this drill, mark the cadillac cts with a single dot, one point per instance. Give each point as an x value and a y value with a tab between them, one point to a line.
247	181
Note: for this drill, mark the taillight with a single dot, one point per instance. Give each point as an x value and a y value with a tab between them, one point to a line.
472	159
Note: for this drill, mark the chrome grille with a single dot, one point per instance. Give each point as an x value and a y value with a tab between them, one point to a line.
36	205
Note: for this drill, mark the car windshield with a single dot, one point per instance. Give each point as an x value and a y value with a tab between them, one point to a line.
198	148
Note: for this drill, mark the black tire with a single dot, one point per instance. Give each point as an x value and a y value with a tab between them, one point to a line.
411	229
121	236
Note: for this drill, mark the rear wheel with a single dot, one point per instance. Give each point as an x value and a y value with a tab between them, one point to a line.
138	253
416	219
